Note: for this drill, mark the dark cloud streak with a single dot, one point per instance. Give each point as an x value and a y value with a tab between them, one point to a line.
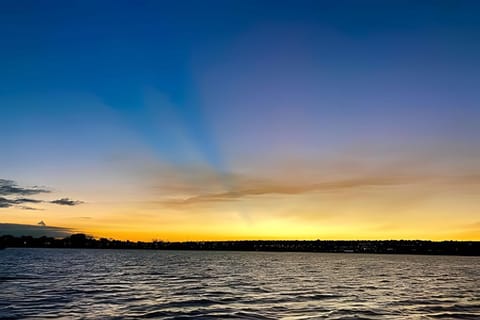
8	189
7	203
66	202
26	200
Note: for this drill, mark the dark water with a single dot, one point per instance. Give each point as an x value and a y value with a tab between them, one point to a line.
107	284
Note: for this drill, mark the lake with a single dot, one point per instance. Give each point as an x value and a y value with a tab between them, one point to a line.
132	284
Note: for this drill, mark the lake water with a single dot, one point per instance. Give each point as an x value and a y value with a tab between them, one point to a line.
131	284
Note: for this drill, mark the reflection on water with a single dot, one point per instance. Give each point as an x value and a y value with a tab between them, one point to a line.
51	283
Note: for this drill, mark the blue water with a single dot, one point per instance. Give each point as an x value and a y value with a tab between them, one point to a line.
132	284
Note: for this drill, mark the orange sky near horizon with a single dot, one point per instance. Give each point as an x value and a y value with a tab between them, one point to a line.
197	205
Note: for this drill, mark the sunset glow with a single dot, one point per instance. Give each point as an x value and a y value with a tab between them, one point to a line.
233	121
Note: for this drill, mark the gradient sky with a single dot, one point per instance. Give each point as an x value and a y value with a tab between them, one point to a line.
204	120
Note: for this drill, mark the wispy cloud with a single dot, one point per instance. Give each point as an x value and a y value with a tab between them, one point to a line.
6	203
10	189
254	187
30	208
66	202
244	187
26	200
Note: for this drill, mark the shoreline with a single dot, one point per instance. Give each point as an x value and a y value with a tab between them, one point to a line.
416	247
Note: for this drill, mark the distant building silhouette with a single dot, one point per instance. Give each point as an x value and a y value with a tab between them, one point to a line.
364	246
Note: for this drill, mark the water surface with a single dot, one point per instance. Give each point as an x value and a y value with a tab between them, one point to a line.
131	284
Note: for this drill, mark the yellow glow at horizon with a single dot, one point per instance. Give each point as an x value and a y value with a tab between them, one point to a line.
411	211
144	225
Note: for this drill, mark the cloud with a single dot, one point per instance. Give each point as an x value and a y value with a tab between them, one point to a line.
34	230
242	193
66	202
5	203
255	187
244	187
29	208
9	187
26	200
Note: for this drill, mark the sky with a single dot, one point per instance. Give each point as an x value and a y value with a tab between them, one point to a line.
209	120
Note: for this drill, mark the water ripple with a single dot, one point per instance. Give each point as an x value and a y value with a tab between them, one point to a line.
109	284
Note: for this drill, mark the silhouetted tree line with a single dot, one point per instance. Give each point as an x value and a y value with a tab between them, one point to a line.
361	246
